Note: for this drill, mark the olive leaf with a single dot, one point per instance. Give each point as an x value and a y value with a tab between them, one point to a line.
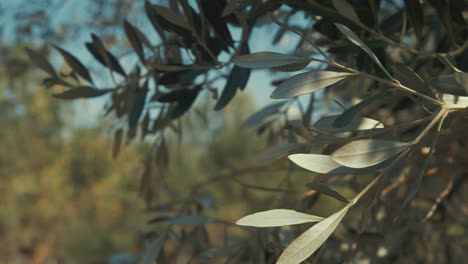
356	123
75	64
323	164
309	241
358	42
277	217
81	92
456	84
367	152
346	10
308	82
267	59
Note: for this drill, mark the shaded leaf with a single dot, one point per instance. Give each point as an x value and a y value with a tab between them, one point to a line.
171	16
280	151
410	79
185	103
346	10
358	42
191	220
367	152
267	59
308	82
263	115
414	9
101	54
40	61
309	241
326	190
75	64
153	249
277	217
323	164
292	67
456	84
81	92
237	80
138	105
134	39
117	143
356	123
347	116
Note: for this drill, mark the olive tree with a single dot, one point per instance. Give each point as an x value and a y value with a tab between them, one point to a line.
396	69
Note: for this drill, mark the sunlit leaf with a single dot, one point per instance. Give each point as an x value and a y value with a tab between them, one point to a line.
357	123
367	152
346	10
323	164
40	61
267	59
75	64
308	82
277	217
81	92
358	42
309	241
453	101
326	190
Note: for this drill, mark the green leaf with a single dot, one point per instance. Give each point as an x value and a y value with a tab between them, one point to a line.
134	40
414	9
277	217
453	101
326	190
264	115
138	105
237	80
346	10
75	64
410	79
357	123
323	164
185	103
456	84
171	16
153	249
348	116
267	59
81	92
101	54
308	82
367	152
40	61
280	151
191	220
309	241
358	42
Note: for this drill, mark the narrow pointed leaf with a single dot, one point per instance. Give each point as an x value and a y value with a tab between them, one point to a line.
101	54
357	123
348	116
323	164
456	84
280	151
81	92
293	67
414	9
171	16
263	115
237	80
134	40
138	105
346	10
358	42
326	190
367	152
40	61
410	79
453	101
117	143
309	241
308	82
277	217
267	59
75	64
